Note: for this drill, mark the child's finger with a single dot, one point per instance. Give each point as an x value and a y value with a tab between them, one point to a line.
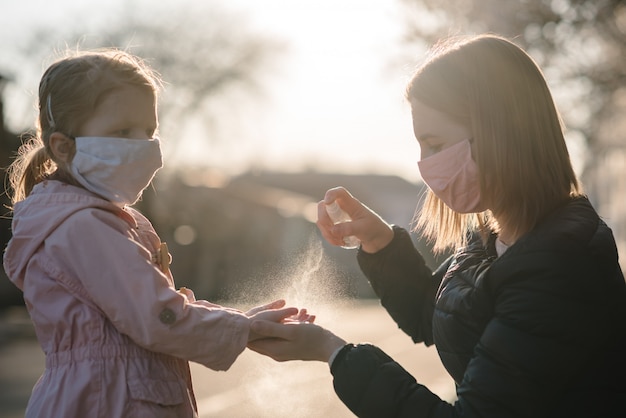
277	304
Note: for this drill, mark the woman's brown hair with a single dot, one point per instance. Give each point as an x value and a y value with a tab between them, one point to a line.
495	89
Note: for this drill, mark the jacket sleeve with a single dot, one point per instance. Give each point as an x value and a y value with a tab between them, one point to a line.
120	278
372	385
405	285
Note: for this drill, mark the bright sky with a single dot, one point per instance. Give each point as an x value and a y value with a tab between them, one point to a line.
337	104
340	105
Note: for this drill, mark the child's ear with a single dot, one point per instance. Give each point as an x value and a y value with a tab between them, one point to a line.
62	146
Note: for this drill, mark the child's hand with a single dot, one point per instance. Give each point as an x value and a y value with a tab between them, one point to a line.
270	315
276	312
302	316
277	304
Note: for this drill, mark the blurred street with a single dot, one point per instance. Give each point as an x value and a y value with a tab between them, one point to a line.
255	386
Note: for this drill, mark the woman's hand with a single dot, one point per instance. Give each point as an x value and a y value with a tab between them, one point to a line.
294	341
373	232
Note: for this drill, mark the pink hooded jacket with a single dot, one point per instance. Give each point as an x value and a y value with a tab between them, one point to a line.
116	334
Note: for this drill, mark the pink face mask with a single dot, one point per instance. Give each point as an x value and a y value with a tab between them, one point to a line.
452	175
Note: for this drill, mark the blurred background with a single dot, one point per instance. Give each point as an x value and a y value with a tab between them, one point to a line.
267	104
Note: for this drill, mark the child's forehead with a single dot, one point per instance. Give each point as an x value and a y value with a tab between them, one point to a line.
122	94
128	106
120	87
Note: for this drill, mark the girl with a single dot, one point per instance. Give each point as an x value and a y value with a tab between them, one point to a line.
116	334
529	314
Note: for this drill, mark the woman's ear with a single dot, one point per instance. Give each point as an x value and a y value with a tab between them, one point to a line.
62	147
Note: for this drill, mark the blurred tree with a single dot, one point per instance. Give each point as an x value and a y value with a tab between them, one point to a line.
580	45
206	55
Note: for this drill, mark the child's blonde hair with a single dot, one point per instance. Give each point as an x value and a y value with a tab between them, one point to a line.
496	90
69	93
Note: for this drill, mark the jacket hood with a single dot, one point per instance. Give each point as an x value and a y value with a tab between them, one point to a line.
50	203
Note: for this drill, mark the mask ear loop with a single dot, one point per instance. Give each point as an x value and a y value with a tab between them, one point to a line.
49	111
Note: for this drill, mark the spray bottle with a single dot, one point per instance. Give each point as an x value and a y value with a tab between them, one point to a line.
337	215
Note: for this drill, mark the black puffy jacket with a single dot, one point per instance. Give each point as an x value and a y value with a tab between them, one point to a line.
537	332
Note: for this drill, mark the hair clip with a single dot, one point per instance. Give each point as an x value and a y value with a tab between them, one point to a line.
49	111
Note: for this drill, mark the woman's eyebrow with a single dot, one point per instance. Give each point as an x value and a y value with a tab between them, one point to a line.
424	137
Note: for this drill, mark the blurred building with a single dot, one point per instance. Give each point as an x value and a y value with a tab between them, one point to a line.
246	236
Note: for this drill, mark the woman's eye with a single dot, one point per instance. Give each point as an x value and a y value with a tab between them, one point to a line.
435	148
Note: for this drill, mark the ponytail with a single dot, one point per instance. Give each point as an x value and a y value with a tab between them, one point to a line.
31	166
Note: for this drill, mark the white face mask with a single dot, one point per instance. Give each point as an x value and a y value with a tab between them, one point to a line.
117	169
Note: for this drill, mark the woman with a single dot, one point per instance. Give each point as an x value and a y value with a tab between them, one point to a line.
529	314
